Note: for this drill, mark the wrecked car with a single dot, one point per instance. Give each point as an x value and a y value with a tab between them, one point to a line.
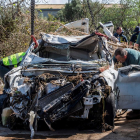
59	79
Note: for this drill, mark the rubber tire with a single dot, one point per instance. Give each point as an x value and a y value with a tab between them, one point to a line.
3	98
110	109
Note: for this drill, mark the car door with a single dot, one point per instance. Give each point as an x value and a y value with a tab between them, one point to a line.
128	87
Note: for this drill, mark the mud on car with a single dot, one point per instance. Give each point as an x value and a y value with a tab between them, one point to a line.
59	80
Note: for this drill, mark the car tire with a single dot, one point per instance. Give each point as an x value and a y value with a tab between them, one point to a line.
110	110
3	98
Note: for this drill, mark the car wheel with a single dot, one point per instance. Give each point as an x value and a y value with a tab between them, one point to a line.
3	98
110	110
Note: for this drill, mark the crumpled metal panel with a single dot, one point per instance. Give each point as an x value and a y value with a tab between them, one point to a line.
110	76
12	75
47	99
56	39
32	58
128	87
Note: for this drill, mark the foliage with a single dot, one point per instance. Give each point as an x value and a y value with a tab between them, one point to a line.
78	9
7	23
15	30
71	11
125	15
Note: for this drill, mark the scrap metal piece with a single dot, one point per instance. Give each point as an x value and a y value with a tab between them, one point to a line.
54	95
68	101
88	102
31	120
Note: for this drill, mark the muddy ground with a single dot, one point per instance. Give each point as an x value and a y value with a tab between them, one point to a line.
124	130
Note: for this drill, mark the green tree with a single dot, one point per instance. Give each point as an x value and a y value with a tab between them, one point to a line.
125	15
78	9
71	12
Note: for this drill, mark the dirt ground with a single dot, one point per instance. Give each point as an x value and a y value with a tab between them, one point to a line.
124	130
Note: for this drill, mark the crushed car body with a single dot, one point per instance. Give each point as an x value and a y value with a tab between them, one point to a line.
60	79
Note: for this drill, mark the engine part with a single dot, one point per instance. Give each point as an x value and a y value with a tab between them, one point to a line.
63	105
54	95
